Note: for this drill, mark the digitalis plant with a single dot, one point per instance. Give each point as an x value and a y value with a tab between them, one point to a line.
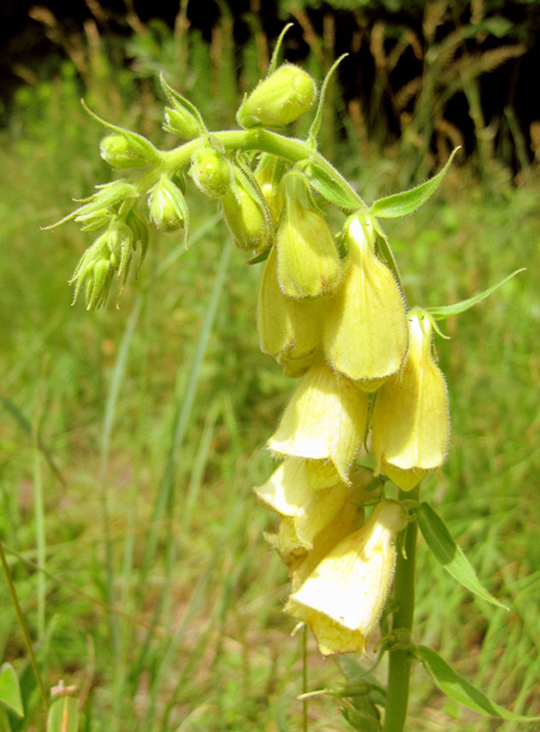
369	416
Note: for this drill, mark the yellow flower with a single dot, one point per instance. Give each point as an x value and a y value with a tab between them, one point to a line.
286	326
365	333
307	259
343	596
411	419
325	420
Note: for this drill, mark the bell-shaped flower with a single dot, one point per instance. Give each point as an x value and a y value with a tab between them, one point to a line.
286	326
344	595
307	258
411	418
325	420
365	327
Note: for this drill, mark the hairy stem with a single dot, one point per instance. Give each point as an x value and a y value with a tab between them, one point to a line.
397	692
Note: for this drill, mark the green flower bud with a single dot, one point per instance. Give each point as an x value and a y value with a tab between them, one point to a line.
325	420
268	177
128	150
167	205
246	213
279	99
181	122
411	419
307	259
344	596
286	326
211	172
365	329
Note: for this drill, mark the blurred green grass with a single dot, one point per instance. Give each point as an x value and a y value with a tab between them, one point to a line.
156	422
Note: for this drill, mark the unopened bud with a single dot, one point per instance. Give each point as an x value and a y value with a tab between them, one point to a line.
343	598
128	150
167	205
268	178
279	99
325	420
411	419
181	122
307	259
246	213
365	329
211	172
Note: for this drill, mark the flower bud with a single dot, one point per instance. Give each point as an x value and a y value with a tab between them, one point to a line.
411	419
181	122
365	328
279	99
127	150
307	259
167	205
288	327
325	420
246	213
268	178
342	599
211	171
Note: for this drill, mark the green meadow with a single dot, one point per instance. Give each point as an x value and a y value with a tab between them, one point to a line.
130	439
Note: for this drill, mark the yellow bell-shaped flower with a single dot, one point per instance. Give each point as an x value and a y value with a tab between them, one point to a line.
307	258
286	326
343	596
365	328
411	419
325	420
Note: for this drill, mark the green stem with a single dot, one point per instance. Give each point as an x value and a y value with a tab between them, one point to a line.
23	626
397	692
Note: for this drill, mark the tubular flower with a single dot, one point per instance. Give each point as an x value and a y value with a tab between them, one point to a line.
246	213
284	324
307	259
366	332
325	420
344	595
411	419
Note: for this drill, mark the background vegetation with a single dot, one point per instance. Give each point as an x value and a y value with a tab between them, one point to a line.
130	438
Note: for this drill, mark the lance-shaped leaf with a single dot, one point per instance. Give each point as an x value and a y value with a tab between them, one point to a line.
459	689
447	311
401	204
316	124
10	692
330	188
447	552
275	56
63	715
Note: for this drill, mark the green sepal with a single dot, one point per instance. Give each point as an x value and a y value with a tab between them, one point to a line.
401	204
329	188
448	553
262	257
275	56
181	104
10	692
459	689
63	715
447	311
146	148
316	124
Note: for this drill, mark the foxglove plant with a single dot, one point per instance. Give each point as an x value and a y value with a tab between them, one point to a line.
331	310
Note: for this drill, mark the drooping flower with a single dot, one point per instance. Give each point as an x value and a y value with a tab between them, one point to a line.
343	596
325	420
365	327
411	419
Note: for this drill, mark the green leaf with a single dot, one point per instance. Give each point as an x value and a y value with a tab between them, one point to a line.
63	715
180	102
401	204
10	693
316	124
458	688
329	188
447	552
277	49
447	311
